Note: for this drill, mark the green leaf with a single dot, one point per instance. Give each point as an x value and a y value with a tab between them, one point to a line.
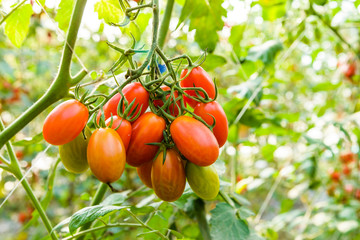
326	86
213	61
115	198
109	10
25	142
236	37
273	9
63	14
265	52
17	24
246	89
226	225
89	214
132	29
268	151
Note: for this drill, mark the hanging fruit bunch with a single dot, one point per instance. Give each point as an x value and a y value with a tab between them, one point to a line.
169	127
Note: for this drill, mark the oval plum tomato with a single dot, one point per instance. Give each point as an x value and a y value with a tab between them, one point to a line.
130	91
147	129
106	155
204	181
73	154
144	172
173	109
198	77
124	130
221	127
168	178
194	140
65	122
347	157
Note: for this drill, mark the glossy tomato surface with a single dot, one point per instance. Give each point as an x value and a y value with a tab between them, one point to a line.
130	91
147	129
221	127
65	122
194	140
168	178
204	181
124	130
73	154
173	108
198	77
106	155
144	172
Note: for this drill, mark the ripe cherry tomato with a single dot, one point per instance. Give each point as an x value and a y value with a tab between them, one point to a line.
221	127
73	154
124	130
347	157
106	155
173	109
346	170
334	175
65	122
168	178
198	77
130	91
147	129
350	70
144	172
194	140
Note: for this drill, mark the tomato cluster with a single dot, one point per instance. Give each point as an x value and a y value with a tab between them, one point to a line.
150	127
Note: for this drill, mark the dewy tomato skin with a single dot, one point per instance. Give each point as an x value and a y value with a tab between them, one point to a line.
130	91
65	122
221	128
106	155
124	130
168	178
194	140
146	129
200	78
144	172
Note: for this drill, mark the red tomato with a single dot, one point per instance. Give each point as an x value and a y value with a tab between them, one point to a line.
198	77
334	175
346	170
65	122
130	91
347	157
106	155
221	127
144	172
168	178
147	129
173	109
124	130
357	194
194	140
350	70
349	188
22	217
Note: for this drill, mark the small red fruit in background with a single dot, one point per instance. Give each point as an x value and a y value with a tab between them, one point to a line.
357	194
347	157
346	170
349	188
334	175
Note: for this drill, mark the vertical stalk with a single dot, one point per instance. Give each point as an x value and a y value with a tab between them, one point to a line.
201	218
164	27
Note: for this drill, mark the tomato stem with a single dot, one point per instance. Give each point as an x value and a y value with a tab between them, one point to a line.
199	205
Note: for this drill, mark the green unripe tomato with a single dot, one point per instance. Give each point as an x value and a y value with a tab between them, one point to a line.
204	181
73	154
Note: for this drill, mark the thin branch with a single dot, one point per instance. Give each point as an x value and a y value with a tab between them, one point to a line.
11	12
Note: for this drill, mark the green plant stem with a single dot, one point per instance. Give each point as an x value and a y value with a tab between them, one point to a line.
201	218
11	12
61	84
147	226
16	170
164	27
83	233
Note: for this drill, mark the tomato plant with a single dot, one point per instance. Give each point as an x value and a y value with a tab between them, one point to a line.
168	177
106	155
65	122
213	109
194	140
174	107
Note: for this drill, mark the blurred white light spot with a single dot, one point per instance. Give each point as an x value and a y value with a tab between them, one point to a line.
320	219
287	170
283	153
296	191
315	133
260	164
289	95
331	139
231	151
267	172
258	20
9	186
42	162
272	140
317	65
306	60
